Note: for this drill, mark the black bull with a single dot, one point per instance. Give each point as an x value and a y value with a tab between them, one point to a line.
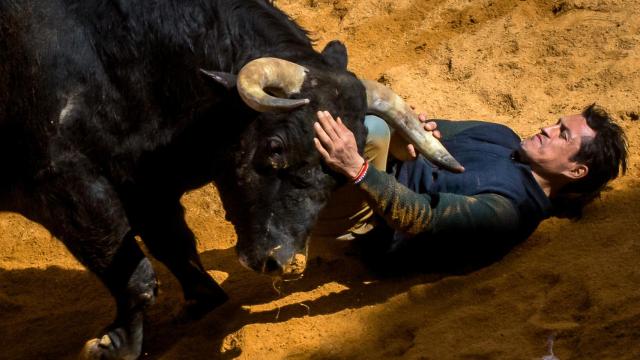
107	117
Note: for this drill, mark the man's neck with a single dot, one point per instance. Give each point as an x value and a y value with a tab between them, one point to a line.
549	185
545	184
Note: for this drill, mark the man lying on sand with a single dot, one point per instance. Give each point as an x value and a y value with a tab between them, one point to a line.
508	187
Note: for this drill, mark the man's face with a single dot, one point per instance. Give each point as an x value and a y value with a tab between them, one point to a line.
550	151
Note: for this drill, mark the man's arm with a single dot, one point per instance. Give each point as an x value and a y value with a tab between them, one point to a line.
413	213
403	209
401	150
450	128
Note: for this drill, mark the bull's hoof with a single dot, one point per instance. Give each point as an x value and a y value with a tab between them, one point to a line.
198	308
107	349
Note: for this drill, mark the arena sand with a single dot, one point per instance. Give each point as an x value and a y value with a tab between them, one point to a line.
520	63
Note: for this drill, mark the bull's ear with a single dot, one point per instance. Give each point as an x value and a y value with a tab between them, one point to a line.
228	80
335	53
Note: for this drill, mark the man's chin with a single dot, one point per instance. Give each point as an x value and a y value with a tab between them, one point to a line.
521	154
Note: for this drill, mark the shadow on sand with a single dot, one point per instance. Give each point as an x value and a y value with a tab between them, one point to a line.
50	313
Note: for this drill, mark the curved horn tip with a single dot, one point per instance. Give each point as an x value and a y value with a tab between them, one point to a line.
266	72
452	165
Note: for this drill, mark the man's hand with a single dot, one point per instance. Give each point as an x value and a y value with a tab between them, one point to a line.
403	151
337	145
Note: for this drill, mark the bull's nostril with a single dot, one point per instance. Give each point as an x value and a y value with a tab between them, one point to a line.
272	266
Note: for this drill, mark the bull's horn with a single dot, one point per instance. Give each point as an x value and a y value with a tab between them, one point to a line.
271	73
389	106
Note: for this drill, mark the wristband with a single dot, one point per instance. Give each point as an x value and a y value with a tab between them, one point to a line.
362	173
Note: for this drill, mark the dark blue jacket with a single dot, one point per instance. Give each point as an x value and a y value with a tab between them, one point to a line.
487	151
480	213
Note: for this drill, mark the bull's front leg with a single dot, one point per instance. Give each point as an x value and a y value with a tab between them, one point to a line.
81	208
160	220
132	282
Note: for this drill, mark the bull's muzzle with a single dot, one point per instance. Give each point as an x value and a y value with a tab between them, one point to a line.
280	263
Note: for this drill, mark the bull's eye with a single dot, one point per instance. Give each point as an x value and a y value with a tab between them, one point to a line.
275	146
273	156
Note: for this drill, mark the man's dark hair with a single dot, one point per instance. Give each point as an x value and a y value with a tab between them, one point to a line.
605	155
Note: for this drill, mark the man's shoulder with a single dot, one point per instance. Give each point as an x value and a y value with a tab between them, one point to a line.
480	125
478	129
490	133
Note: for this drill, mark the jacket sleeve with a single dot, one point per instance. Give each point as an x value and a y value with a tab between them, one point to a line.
449	128
413	213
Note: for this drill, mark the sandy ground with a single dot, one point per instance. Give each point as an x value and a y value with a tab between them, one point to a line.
521	63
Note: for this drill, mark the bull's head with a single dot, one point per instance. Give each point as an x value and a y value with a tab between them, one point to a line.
279	173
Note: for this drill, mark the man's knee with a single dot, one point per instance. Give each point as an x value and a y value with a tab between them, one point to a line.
378	138
379	133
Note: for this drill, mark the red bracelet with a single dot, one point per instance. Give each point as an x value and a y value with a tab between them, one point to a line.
361	173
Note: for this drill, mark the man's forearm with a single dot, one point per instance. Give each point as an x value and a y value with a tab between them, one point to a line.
413	213
401	208
450	128
446	128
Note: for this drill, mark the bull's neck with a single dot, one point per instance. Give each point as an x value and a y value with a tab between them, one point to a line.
219	35
172	39
257	29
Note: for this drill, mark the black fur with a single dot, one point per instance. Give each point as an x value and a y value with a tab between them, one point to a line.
106	120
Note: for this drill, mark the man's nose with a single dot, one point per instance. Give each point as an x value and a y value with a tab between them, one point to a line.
549	131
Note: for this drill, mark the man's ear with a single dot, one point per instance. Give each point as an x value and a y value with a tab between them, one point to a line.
335	54
578	171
